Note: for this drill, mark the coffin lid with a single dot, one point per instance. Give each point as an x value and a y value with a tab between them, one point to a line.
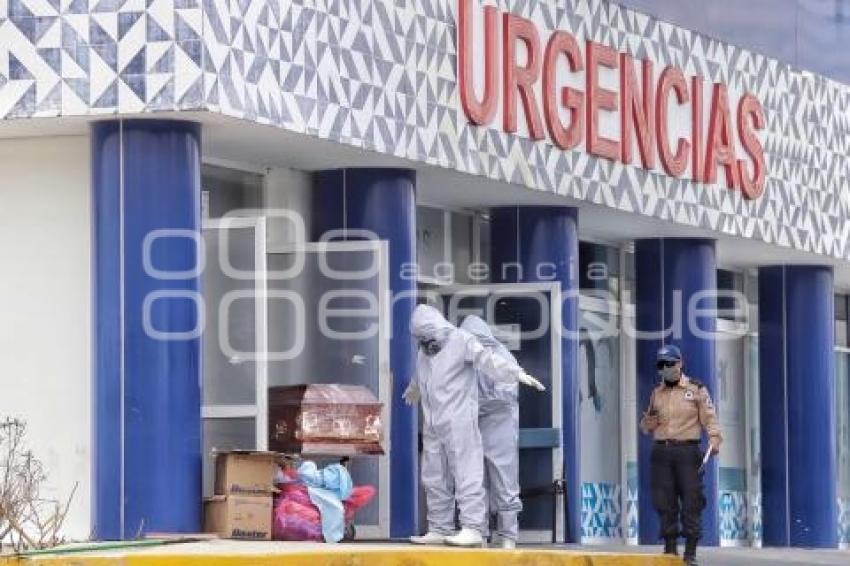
323	394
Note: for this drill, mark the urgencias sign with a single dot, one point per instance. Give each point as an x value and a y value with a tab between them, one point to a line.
643	103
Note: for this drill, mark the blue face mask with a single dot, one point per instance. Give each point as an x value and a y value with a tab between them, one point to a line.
430	347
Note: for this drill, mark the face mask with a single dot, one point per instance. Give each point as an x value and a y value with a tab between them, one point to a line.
430	347
670	375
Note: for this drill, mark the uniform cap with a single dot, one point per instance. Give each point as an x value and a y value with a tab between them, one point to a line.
669	353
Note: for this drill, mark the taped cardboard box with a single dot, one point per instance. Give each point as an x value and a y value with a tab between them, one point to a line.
239	517
245	473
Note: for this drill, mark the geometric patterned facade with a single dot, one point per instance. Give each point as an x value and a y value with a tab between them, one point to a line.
601	512
632	487
732	510
755	520
844	522
381	75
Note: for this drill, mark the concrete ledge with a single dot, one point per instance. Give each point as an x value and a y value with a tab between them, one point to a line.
231	553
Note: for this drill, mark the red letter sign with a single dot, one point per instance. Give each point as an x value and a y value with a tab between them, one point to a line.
521	78
721	144
671	79
599	98
637	109
696	128
751	117
480	113
572	116
569	137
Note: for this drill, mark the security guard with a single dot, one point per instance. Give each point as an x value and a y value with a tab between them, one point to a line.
678	409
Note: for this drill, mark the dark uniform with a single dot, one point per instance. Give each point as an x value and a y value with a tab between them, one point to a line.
680	412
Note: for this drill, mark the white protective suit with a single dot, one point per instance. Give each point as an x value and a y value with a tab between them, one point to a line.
446	384
498	420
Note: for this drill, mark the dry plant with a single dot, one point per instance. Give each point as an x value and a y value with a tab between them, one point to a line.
27	520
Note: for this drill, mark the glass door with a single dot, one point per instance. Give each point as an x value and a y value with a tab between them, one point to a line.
527	318
328	323
731	395
600	393
234	373
313	313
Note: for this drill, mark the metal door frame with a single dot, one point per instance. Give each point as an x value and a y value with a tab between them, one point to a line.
555	303
381	250
260	417
842	350
749	393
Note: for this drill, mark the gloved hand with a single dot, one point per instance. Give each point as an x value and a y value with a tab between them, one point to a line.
526	379
412	395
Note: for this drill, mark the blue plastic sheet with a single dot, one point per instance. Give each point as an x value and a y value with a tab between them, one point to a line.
327	489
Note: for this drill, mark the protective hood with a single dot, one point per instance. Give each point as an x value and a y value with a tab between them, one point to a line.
481	330
428	324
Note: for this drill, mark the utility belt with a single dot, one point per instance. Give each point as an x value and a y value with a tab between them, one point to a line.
674	442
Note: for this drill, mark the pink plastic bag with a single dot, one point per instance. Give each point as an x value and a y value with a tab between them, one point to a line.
359	498
297	519
293	521
295	492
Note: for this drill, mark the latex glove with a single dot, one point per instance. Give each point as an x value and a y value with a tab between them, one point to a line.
715	441
412	395
526	379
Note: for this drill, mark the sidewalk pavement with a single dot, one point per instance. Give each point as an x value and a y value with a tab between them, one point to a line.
743	556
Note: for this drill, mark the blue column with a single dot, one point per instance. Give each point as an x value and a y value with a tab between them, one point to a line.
797	384
147	432
384	202
533	244
669	273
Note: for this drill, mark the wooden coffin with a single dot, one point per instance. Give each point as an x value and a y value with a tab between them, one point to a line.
326	420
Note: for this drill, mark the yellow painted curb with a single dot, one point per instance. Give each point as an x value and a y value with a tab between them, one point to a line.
405	557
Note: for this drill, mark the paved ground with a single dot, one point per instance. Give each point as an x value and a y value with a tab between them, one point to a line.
747	556
233	553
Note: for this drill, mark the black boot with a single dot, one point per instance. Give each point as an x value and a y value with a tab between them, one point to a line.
670	546
691	552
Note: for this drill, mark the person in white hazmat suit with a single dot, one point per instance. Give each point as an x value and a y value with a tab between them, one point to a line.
453	458
498	420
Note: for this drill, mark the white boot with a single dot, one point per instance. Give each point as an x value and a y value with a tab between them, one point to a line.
466	537
508	544
429	538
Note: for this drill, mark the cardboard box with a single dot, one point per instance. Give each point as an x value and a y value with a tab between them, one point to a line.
245	473
239	517
337	420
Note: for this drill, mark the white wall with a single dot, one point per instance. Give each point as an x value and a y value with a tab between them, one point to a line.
287	190
45	309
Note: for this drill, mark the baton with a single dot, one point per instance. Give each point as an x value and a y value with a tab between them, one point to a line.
705	459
